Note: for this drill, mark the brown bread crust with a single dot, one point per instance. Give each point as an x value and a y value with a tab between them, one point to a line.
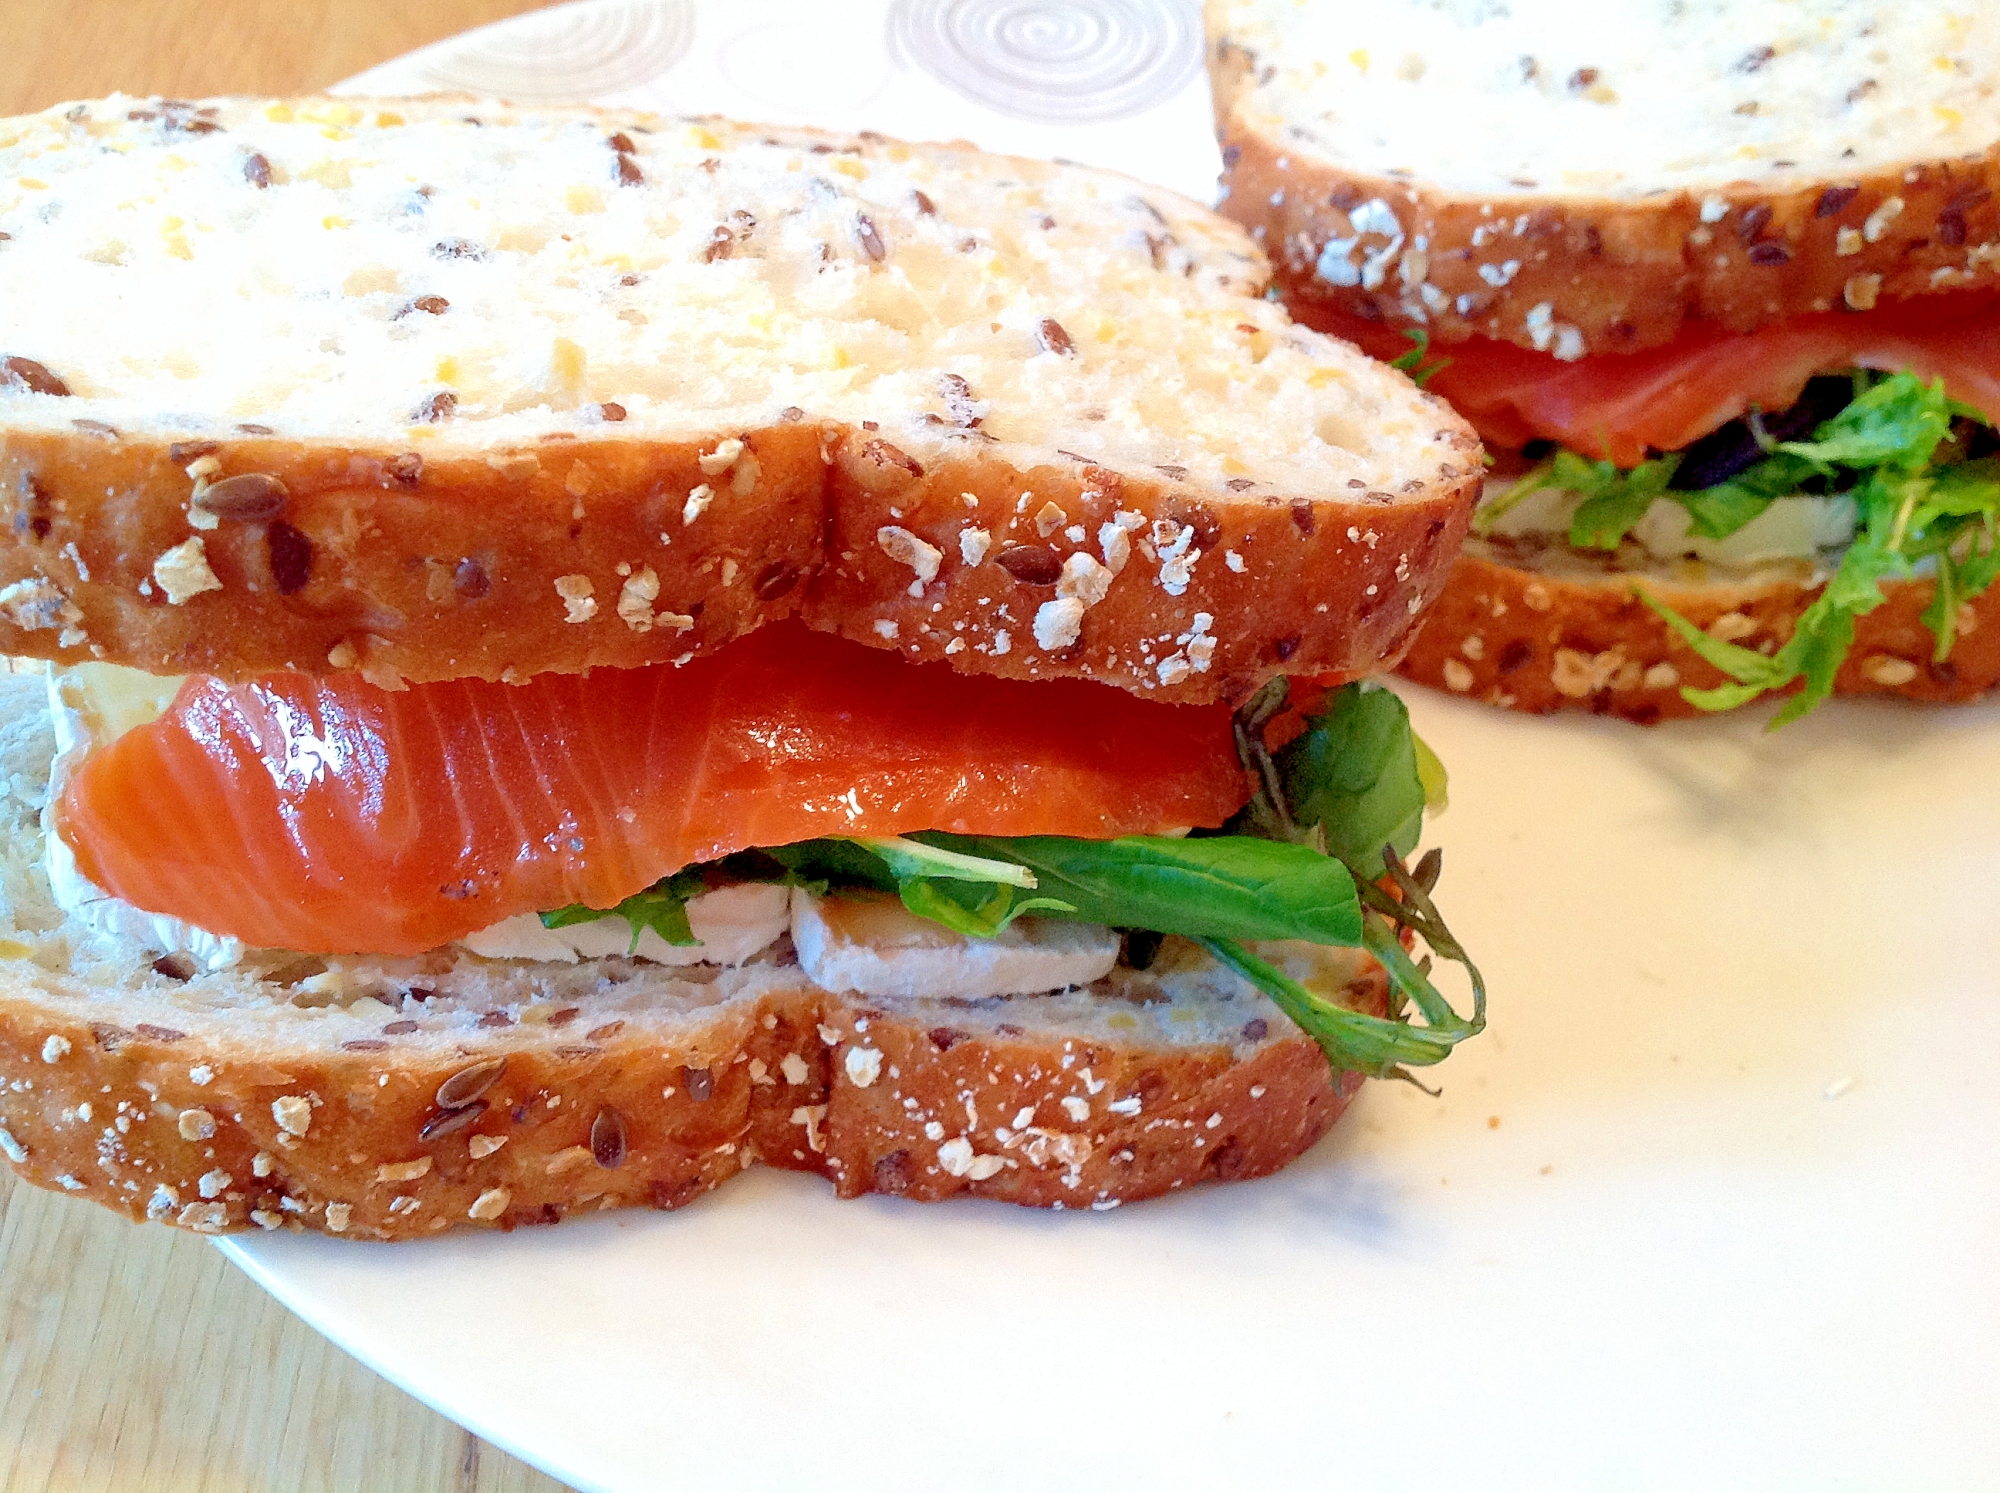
1625	274
604	1118
1530	641
1325	585
446	564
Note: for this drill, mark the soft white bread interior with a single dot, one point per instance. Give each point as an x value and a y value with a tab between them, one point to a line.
435	388
1585	179
396	1098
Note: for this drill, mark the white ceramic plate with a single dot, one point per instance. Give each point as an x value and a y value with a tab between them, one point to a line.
1714	1203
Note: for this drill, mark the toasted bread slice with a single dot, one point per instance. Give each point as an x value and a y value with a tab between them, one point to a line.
435	389
1539	626
394	1098
1588	180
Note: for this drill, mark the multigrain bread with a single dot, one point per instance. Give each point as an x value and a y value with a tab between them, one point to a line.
395	1098
1594	179
436	389
1597	182
1540	627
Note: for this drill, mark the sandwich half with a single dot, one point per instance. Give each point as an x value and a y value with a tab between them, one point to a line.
575	652
1716	284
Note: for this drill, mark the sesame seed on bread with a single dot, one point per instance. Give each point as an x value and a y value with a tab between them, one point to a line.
1593	179
441	388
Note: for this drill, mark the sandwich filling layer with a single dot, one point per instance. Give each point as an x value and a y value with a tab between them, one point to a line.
1859	449
911	830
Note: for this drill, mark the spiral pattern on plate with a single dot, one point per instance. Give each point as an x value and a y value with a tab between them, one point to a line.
1053	61
572	53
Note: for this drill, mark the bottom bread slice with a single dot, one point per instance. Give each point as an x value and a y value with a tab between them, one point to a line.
1539	627
391	1099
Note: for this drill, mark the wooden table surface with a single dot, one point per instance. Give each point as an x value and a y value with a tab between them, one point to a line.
134	1358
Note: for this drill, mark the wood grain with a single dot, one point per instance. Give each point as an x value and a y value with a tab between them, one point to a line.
64	49
136	1360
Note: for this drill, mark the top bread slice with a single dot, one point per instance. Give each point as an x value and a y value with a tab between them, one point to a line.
434	388
1588	179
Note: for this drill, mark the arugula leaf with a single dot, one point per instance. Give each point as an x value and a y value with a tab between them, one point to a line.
976	910
1719	511
661	907
1613	500
1908	511
835	863
1229	886
1225	889
1412	362
1981	568
1824	634
1431	776
1819	641
1379	1046
1354	774
1961	579
1489	513
1225	886
1355	779
906	857
1896	423
1755	671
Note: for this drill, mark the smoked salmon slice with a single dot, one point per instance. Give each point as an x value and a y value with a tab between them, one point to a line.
1626	406
329	816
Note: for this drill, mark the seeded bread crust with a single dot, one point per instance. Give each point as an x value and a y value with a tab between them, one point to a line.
456	566
1574	274
163	513
352	1137
1284	579
1529	629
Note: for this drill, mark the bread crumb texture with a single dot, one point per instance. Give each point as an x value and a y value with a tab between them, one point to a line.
374	259
1622	99
448	388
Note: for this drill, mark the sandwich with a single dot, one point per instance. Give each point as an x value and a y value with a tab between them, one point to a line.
1718	290
561	653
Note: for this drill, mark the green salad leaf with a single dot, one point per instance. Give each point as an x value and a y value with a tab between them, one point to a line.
1355	773
1909	510
1224	886
1613	500
1916	504
1412	362
1895	423
661	907
1719	511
